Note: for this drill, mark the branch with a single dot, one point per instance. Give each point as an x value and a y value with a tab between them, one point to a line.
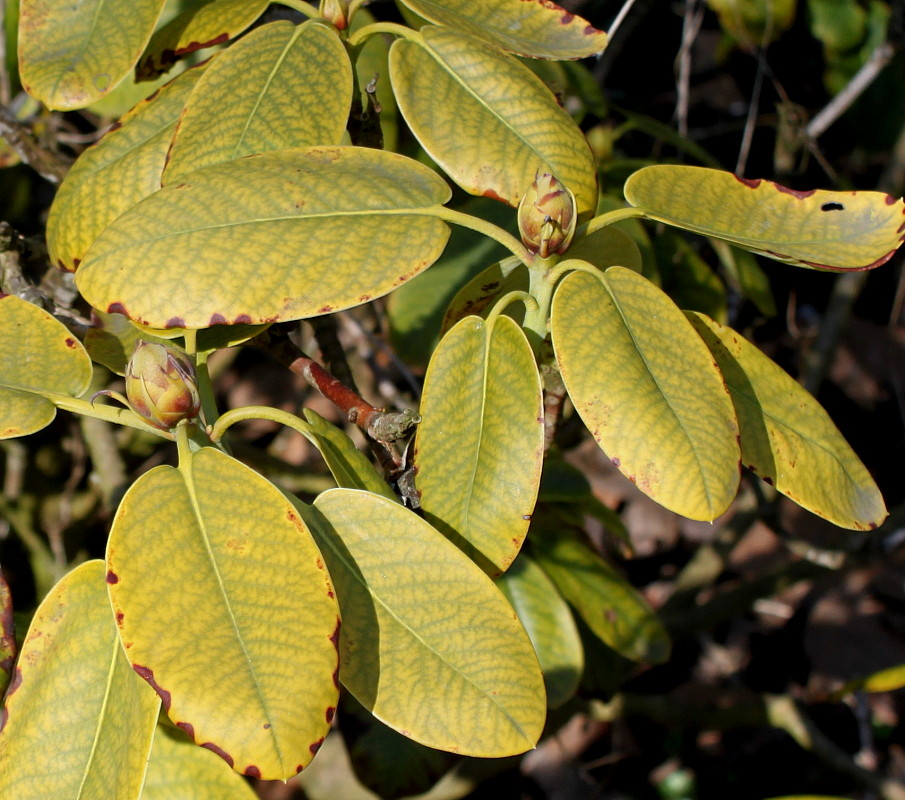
20	137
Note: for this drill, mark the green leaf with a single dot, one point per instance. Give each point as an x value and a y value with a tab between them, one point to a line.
687	278
348	465
71	54
77	721
478	295
178	770
372	63
746	276
281	86
416	309
549	624
204	24
648	390
788	439
607	247
192	256
40	357
428	645
486	119
114	174
537	30
230	615
607	603
480	446
823	230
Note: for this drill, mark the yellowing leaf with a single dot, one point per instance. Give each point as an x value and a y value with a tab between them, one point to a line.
818	229
281	86
480	445
788	439
204	24
269	238
607	603
648	390
486	119
224	606
39	357
428	645
538	30
178	770
77	720
114	174
549	624
70	54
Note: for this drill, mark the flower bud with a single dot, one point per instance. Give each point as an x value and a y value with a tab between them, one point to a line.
337	12
161	384
546	216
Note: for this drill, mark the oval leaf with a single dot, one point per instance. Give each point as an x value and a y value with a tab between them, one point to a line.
73	53
180	771
486	119
480	446
648	390
788	439
77	721
205	24
230	616
536	30
39	356
281	86
818	229
609	605
114	174
267	238
429	645
549	624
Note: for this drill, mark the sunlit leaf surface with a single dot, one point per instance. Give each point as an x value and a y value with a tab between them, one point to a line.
788	439
648	390
77	722
429	645
230	616
486	119
269	238
479	448
539	30
818	229
70	54
39	355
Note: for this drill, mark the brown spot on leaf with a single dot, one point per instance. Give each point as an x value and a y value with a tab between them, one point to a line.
751	183
119	618
611	616
114	127
243	319
331	712
188	728
218	319
75	263
175	322
252	771
768	480
794	192
334	637
117	308
220	752
112	577
15	683
315	746
298	768
617	462
148	674
70	343
494	196
267	726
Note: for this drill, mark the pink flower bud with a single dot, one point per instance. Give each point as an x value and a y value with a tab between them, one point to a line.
546	216
161	384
